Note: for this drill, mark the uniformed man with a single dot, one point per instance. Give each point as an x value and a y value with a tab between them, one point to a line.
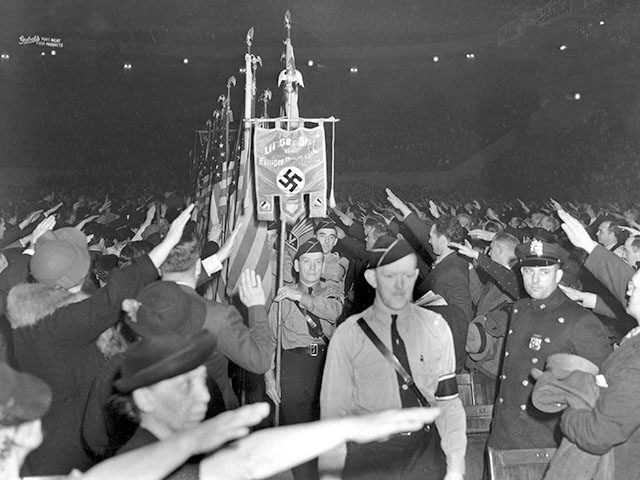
309	311
359	379
335	266
548	322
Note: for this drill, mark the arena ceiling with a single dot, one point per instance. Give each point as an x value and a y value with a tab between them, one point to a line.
49	102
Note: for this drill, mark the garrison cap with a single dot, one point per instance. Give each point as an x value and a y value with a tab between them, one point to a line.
388	249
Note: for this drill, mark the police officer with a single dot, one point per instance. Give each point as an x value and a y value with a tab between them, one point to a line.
547	323
309	310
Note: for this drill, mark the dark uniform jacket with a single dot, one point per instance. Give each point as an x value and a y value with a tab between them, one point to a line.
538	329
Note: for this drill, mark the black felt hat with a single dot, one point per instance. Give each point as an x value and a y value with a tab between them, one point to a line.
157	358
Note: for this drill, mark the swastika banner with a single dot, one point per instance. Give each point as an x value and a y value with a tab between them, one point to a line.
289	165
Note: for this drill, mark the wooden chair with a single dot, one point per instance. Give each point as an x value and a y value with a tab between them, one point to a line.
529	464
476	393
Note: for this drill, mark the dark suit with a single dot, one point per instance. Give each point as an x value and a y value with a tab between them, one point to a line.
449	278
250	347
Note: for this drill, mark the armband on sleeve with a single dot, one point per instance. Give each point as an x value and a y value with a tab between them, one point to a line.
447	387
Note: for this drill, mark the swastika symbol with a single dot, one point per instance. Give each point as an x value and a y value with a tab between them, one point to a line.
290	180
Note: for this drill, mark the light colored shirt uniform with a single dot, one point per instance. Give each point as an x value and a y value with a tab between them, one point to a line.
326	302
358	379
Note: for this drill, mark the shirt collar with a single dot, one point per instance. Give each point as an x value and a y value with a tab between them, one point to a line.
380	310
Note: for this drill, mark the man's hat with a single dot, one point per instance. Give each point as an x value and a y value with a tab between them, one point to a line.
566	376
23	397
538	253
61	258
164	308
324	223
387	250
476	340
160	357
310	246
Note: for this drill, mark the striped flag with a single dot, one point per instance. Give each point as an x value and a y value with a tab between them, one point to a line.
252	249
203	173
226	163
300	233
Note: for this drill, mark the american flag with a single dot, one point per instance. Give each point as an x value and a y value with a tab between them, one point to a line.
226	162
252	249
203	172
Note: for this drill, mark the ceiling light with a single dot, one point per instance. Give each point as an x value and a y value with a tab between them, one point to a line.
353	69
185	60
563	47
436	58
310	63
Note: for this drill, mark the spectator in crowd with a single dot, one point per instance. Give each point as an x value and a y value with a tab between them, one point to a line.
55	328
250	347
611	237
613	423
489	328
631	253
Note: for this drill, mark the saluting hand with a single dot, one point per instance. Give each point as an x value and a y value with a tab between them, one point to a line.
250	289
576	233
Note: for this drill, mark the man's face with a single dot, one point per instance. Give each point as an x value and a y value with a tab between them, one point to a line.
630	254
394	282
464	220
327	238
547	223
181	402
515	222
495	252
633	292
436	240
370	240
309	267
604	234
536	218
541	282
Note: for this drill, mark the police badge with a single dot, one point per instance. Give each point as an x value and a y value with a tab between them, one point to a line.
535	342
537	248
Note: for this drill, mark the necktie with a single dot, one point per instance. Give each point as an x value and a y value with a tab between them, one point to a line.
407	397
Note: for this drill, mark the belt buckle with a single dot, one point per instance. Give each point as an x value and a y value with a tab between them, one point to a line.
313	349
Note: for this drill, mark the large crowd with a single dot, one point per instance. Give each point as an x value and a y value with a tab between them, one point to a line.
115	365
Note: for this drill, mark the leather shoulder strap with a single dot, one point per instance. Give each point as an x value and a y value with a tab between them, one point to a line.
393	360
